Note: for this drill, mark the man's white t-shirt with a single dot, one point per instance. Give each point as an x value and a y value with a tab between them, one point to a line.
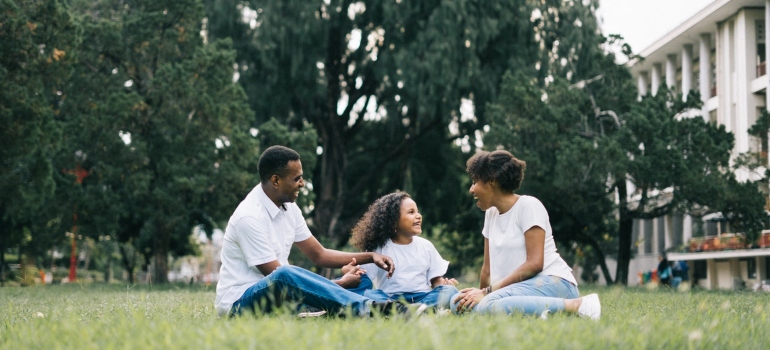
416	264
258	232
507	250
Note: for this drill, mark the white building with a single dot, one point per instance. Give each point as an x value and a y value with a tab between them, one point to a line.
720	52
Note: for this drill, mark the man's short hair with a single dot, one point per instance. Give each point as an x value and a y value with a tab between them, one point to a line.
274	161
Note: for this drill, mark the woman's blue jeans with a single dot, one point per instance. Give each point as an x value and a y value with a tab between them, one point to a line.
296	285
531	297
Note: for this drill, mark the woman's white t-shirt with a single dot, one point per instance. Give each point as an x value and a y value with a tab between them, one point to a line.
507	250
416	264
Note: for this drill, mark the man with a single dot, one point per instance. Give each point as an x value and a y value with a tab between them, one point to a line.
255	269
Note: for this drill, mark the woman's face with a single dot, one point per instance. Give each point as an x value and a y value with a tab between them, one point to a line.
410	221
483	194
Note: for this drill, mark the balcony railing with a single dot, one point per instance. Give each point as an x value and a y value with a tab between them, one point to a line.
761	69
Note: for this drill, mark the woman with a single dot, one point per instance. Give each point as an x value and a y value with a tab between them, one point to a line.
522	272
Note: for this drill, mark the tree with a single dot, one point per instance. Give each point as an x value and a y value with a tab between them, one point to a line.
39	38
381	83
154	115
678	164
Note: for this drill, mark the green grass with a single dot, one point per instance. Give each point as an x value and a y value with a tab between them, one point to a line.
114	317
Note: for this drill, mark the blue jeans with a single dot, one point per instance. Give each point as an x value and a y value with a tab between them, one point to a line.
438	297
530	297
297	285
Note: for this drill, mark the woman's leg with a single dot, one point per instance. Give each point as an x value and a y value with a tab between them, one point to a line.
532	296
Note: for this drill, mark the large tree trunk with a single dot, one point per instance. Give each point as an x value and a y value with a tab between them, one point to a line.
160	256
625	231
129	263
331	194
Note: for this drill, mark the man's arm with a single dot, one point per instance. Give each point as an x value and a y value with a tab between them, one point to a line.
323	257
269	267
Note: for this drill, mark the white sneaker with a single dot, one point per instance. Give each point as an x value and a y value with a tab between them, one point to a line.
309	312
590	307
544	315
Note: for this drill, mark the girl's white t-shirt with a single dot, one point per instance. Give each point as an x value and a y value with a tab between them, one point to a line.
416	264
507	250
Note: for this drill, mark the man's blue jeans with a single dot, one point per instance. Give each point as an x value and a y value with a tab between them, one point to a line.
297	285
532	297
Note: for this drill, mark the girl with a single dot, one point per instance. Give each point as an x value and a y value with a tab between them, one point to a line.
391	227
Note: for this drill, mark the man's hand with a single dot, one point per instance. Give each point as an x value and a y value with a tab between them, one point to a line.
384	262
351	278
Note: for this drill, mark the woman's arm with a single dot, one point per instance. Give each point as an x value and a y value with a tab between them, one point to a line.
534	241
484	275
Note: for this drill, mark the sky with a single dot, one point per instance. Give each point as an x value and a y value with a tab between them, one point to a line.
642	22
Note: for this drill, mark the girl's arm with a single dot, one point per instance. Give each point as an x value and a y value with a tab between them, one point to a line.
442	281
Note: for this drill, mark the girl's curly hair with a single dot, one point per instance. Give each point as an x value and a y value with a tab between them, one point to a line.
379	223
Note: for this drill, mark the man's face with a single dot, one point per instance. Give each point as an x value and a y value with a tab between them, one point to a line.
289	185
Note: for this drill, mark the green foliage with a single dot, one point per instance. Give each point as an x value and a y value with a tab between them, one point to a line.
183	317
38	48
155	119
382	83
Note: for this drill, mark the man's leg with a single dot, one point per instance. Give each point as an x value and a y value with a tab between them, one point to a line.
294	284
365	285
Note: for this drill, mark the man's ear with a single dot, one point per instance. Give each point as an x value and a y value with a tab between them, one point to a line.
274	180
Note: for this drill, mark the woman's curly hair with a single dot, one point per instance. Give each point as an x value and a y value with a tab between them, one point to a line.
379	223
499	166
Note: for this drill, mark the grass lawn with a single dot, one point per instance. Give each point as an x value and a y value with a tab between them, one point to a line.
111	316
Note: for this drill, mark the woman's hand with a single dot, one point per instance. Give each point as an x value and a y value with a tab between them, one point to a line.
468	298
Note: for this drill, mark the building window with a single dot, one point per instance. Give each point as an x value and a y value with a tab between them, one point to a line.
761	59
713	116
751	267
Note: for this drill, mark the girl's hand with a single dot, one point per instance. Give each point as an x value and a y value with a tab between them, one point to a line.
352	267
468	299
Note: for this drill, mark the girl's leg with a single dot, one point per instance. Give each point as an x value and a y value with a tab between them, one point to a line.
532	296
377	295
439	296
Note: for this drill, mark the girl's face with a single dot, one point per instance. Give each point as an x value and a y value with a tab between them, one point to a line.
483	193
410	221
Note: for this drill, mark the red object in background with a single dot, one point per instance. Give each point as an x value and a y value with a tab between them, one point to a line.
80	175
